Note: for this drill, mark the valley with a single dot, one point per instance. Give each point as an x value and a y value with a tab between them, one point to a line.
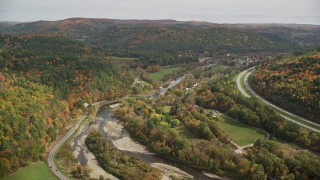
140	99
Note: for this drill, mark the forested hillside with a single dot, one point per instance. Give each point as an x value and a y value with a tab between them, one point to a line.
30	118
163	42
48	70
44	82
293	83
70	67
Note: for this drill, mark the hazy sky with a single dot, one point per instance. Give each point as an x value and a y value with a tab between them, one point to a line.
219	11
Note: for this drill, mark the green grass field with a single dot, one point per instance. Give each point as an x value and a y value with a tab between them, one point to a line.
219	67
159	75
35	171
240	133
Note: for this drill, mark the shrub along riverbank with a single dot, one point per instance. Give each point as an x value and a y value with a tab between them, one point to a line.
118	163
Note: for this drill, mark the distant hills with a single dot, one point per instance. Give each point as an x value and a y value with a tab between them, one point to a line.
50	69
155	38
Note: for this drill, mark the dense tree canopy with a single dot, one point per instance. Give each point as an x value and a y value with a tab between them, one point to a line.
44	83
117	162
163	43
45	80
293	83
183	134
283	162
30	118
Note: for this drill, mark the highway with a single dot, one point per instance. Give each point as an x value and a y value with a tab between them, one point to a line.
53	152
204	59
238	80
284	113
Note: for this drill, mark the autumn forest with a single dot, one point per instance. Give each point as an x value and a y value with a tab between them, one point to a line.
136	91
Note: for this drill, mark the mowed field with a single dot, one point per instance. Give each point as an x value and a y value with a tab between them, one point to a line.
219	67
240	133
158	76
35	171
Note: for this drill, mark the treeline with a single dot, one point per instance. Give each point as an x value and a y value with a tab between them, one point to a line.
116	162
177	126
165	59
30	118
163	44
292	83
44	82
192	137
282	162
69	67
267	158
223	95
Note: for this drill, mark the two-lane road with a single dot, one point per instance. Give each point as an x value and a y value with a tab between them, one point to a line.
284	113
238	80
53	152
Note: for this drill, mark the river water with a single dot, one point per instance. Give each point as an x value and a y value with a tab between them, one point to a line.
103	119
164	89
104	114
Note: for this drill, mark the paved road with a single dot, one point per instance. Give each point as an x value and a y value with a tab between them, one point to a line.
204	59
239	82
53	152
284	112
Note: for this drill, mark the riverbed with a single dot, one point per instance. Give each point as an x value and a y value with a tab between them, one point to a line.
114	132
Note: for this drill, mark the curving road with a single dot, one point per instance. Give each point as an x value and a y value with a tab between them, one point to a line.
53	152
238	80
284	112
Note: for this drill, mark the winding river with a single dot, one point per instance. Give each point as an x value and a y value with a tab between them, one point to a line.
113	130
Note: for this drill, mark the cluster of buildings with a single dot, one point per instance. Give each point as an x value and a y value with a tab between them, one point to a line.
246	60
